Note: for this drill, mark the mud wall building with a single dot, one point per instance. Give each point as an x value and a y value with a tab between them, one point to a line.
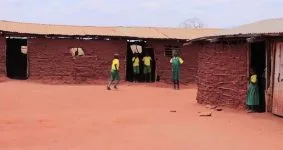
188	53
222	74
49	60
225	62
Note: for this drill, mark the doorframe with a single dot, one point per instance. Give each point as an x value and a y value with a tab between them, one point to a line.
27	57
128	57
267	80
5	57
273	47
269	62
274	76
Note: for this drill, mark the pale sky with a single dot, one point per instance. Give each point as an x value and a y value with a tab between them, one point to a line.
162	13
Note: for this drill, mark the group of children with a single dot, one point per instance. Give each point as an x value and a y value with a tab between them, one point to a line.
252	96
147	61
176	61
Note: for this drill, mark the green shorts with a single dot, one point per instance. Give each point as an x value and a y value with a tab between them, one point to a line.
136	69
147	69
115	75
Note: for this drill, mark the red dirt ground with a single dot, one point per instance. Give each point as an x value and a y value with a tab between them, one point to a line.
60	117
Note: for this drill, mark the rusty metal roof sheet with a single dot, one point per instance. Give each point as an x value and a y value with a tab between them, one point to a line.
270	26
137	32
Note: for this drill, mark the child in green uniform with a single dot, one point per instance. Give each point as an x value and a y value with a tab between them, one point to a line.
253	93
136	66
114	73
176	61
147	67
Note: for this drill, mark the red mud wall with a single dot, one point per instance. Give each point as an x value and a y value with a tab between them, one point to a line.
222	75
2	57
188	69
50	60
190	66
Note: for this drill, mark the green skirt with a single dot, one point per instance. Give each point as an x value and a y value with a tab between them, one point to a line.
253	95
175	73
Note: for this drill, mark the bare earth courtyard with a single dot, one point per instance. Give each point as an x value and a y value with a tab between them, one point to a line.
65	117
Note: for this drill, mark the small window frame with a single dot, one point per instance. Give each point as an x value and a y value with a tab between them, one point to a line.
169	49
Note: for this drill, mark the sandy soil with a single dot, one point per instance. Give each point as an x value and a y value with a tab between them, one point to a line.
52	117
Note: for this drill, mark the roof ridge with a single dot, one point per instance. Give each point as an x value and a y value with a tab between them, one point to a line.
156	29
121	31
261	21
68	25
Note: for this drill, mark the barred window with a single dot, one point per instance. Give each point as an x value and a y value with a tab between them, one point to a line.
168	50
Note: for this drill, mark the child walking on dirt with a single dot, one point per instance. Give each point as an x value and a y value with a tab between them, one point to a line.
114	73
176	61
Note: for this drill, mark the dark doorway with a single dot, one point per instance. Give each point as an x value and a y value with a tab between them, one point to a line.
16	59
258	63
129	65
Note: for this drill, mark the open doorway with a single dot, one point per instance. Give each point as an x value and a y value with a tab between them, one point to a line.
142	49
258	63
16	58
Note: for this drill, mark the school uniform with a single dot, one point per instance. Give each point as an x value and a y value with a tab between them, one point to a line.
136	65
147	65
115	71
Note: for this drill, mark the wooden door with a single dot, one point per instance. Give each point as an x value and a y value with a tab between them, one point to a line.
268	76
277	108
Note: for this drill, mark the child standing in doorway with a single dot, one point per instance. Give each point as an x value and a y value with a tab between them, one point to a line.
136	66
253	92
147	67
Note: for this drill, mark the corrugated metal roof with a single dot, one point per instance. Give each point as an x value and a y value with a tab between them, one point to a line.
270	26
140	32
137	32
183	33
32	28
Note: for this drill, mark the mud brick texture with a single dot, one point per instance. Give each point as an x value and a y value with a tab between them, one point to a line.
164	69
222	75
2	58
50	60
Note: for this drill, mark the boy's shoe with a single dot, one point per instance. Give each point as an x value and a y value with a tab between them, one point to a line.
250	111
108	88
